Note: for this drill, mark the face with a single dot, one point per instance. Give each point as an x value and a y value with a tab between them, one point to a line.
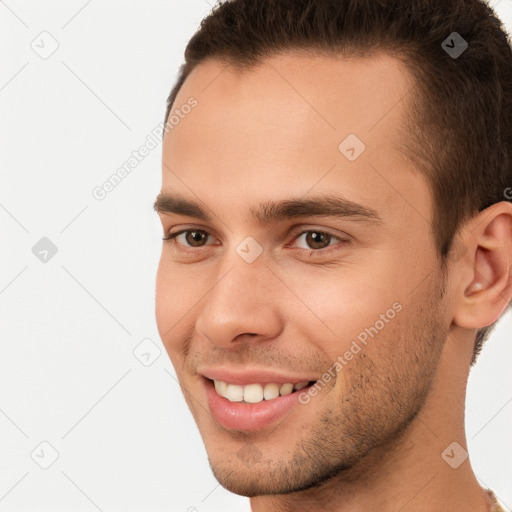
305	273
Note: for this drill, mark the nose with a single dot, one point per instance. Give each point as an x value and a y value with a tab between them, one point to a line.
242	305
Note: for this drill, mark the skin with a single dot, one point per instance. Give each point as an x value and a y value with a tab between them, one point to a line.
372	439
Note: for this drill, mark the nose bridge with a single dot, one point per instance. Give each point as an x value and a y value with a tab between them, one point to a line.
239	302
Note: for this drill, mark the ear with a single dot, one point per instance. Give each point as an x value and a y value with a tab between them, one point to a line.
484	274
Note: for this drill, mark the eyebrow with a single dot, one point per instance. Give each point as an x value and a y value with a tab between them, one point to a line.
275	211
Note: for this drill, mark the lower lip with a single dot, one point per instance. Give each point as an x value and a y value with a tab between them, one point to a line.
249	417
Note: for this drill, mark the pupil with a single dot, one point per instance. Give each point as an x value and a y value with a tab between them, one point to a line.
194	236
317	240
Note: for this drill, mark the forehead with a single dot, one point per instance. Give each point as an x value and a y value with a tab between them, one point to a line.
286	125
303	92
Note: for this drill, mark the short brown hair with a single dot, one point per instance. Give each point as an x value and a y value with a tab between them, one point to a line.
463	143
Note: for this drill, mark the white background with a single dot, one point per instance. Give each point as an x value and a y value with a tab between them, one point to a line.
124	436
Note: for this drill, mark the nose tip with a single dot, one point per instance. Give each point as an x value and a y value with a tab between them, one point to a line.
239	309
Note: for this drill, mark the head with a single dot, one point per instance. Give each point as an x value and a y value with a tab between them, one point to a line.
349	121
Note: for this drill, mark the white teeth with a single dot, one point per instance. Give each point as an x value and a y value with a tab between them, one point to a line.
286	389
271	391
255	393
234	393
220	387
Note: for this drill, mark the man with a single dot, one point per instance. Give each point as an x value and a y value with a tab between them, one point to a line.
337	245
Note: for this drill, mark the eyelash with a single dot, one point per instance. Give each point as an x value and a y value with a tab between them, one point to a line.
170	237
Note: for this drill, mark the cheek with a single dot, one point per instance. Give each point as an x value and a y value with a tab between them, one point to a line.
175	296
332	308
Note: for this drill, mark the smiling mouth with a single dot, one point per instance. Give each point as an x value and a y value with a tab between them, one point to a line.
256	393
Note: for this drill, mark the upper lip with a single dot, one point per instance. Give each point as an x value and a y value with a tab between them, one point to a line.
244	375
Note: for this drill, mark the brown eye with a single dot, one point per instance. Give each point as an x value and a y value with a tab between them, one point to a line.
317	239
314	242
195	238
188	238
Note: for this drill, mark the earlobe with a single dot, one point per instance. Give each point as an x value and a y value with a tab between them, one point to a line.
487	286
